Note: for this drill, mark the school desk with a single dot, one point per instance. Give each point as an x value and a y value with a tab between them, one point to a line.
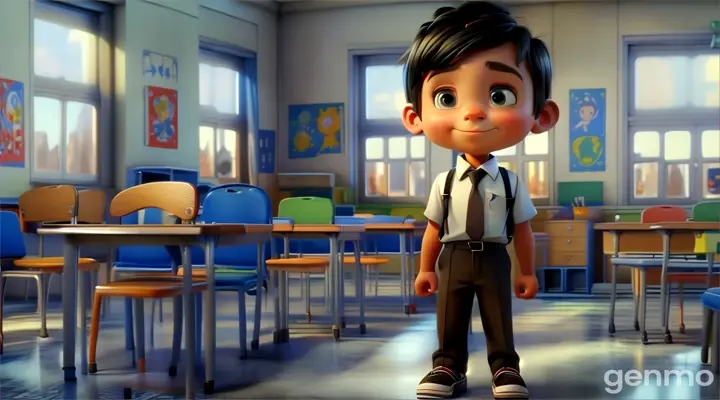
642	238
407	231
206	236
337	235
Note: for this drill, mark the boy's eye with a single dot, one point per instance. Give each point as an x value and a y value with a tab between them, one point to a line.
445	99
502	97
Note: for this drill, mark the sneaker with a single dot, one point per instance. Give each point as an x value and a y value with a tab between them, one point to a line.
442	383
508	384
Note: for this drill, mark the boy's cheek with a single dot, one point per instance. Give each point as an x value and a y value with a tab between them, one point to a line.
512	122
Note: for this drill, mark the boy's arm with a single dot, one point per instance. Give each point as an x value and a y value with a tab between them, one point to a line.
523	212
431	245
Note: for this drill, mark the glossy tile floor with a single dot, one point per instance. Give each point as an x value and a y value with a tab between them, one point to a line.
565	348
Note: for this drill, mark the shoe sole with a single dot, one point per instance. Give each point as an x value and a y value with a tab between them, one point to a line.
456	390
510	396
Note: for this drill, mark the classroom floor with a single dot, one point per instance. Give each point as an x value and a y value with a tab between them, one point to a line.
564	346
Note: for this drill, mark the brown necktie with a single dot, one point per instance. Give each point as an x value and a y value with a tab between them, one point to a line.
475	223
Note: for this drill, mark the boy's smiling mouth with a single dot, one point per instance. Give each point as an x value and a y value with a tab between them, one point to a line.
475	132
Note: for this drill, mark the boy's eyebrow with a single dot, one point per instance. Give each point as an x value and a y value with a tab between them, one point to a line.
501	67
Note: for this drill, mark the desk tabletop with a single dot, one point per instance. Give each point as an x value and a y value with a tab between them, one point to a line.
394	227
317	228
622	226
695	226
156	230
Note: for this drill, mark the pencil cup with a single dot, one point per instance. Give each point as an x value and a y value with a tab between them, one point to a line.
581	213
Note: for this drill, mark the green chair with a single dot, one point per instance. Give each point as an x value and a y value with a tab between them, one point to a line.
707	211
307	210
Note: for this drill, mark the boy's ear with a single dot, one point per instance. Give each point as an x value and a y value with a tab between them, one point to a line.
548	117
411	120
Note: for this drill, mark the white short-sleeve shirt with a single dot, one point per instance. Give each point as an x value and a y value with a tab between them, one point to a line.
492	190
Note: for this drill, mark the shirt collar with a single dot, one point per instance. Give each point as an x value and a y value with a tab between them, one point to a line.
463	167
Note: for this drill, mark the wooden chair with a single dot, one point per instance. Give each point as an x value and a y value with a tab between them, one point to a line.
176	198
55	204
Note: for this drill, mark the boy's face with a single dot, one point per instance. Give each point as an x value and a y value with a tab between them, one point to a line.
482	105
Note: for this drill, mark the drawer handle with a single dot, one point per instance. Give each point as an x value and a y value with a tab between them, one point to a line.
569	228
569	241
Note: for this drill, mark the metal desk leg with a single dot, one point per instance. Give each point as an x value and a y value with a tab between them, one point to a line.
283	286
210	319
108	273
707	325
2	301
663	286
613	278
82	320
275	278
636	299
139	305
404	275
341	277
335	272
716	345
410	271
360	286
643	305
69	296
189	311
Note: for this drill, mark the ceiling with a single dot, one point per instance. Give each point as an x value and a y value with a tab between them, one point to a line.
308	5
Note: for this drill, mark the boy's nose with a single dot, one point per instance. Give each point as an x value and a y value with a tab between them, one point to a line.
474	112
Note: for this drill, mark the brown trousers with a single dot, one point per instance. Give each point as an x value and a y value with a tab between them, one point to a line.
463	274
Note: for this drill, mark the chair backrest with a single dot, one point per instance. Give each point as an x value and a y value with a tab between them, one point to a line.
91	206
707	211
49	204
236	203
12	245
177	198
656	214
307	210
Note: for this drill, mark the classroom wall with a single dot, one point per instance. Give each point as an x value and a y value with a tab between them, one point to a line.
584	39
171	27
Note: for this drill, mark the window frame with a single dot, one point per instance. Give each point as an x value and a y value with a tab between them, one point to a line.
383	128
96	17
207	116
692	119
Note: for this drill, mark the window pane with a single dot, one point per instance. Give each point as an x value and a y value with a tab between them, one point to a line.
510	151
509	165
711	144
384	92
220	88
226	156
660	82
375	179
64	52
417	179
397	179
536	173
397	148
537	144
646	144
417	147
47	120
374	148
710	181
677	145
678	180
707	72
81	145
646	180
207	152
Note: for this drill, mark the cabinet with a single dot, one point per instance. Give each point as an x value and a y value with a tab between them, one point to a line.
570	264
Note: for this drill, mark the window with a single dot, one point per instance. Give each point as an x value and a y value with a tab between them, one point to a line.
222	117
71	61
393	163
530	160
673	122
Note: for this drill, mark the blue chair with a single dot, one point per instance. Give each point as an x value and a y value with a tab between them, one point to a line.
12	247
711	321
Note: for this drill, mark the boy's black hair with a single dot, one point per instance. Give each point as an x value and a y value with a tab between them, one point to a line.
474	26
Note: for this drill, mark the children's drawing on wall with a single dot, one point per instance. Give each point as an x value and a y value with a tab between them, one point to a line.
12	131
315	129
156	65
587	130
713	181
161	106
266	152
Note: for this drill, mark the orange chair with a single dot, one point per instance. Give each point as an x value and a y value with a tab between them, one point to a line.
49	204
176	198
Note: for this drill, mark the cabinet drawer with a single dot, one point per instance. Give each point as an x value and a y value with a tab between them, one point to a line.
567	259
570	229
571	244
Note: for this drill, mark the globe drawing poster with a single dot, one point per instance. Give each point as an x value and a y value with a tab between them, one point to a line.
12	127
587	130
315	129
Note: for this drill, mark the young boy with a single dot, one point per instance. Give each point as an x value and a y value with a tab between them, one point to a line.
477	82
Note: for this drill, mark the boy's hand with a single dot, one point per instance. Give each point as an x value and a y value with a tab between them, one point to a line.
526	286
426	283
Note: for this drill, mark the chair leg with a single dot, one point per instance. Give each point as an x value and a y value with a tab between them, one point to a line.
42	303
377	280
153	303
94	330
177	335
2	301
681	315
140	334
198	328
668	297
242	324
27	290
636	298
160	310
707	326
129	345
308	297
257	320
716	345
